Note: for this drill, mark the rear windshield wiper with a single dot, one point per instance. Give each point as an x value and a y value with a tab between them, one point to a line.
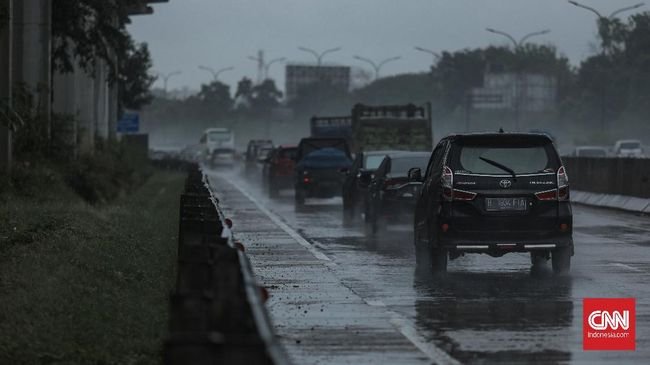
502	167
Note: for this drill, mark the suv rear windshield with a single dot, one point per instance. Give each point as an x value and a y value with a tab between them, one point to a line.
495	157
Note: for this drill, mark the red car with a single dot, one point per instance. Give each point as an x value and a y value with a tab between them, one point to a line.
278	169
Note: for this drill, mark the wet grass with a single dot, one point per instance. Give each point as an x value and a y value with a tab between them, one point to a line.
88	285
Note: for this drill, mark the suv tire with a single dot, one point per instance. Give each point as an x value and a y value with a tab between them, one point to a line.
300	197
561	260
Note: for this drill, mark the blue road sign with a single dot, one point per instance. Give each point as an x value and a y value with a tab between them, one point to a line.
129	123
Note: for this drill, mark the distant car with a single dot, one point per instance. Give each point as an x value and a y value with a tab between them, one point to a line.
253	153
590	151
494	194
317	173
356	182
628	148
279	168
223	157
263	154
391	196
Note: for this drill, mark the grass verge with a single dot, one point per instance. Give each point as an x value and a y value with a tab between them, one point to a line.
88	285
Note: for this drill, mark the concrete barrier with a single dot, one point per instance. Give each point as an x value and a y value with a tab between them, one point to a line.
217	314
628	177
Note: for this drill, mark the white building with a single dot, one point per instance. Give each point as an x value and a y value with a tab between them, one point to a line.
536	92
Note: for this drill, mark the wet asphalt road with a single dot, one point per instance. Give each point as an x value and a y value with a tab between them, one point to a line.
486	310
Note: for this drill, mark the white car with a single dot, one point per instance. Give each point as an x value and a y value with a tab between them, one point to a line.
628	148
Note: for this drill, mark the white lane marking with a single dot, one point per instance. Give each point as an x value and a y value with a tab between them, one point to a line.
295	235
408	330
400	322
627	267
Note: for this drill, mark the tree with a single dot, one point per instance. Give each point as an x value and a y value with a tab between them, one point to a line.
135	81
459	72
216	96
86	30
244	93
415	88
265	96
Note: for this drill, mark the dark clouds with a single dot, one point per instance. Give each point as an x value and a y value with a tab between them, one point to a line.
186	33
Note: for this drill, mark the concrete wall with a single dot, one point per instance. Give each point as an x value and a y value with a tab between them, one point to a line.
32	43
615	176
91	99
5	85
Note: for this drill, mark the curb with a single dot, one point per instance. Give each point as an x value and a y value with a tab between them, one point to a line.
620	202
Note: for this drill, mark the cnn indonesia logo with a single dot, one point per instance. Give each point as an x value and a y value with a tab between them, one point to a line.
609	324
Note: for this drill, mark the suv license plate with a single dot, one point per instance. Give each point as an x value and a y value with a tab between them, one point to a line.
506	204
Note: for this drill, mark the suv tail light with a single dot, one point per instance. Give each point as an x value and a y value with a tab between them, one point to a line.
462	195
447	184
562	184
559	194
547	195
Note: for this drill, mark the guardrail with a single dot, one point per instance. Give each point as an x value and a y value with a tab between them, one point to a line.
217	312
615	176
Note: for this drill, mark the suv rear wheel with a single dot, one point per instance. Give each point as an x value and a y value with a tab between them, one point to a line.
300	197
561	260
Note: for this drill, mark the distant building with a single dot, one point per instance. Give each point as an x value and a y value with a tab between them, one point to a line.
300	75
537	93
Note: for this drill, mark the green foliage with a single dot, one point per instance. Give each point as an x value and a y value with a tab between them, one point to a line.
31	139
84	30
215	96
135	81
88	285
265	97
617	81
111	171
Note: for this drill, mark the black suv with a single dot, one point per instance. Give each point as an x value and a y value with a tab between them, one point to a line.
494	194
391	197
357	180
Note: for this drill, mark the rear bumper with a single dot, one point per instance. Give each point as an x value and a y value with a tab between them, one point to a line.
279	181
321	189
502	246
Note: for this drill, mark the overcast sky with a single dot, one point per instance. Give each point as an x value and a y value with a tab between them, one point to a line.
183	34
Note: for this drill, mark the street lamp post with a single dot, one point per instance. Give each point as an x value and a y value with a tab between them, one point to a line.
215	74
604	23
266	65
518	44
436	55
319	56
377	66
166	78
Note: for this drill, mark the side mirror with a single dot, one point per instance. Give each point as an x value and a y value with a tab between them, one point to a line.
415	174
